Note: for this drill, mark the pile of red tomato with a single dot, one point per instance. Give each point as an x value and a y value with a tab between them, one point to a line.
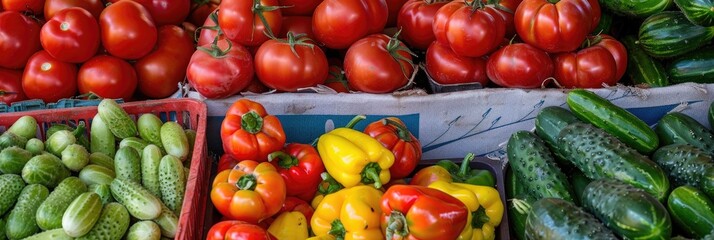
53	49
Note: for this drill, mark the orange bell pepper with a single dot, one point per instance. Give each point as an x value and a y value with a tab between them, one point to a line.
249	133
250	192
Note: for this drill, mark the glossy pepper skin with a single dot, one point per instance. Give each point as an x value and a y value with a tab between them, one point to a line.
226	162
328	186
289	226
249	192
430	174
351	213
465	174
249	133
395	136
484	204
238	230
355	158
417	212
300	166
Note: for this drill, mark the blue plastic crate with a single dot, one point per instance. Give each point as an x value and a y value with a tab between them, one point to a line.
37	104
27	105
70	103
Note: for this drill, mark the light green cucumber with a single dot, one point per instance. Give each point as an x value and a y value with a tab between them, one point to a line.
49	214
95	174
56	143
45	169
35	146
82	214
21	220
139	202
9	139
136	143
54	234
118	121
102	139
172	182
168	222
174	140
101	159
112	224
150	161
104	192
127	164
25	126
150	128
75	157
144	230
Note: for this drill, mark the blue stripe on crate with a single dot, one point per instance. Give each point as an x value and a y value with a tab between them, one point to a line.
651	115
306	128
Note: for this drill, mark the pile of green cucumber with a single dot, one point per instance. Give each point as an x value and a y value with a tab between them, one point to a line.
599	172
124	180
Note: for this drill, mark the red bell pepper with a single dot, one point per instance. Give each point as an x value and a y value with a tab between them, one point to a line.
226	162
238	230
249	133
395	136
300	166
416	212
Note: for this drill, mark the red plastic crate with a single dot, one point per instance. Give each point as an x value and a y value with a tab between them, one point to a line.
187	112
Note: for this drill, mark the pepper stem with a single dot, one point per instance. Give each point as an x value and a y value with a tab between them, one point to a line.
465	165
370	174
402	131
251	122
553	1
397	224
521	206
355	120
285	160
247	182
337	229
328	185
479	218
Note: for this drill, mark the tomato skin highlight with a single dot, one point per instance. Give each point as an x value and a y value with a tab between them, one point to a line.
220	76
242	25
519	65
362	17
95	7
446	67
166	12
72	35
107	77
370	68
469	31
127	30
160	71
556	27
19	39
279	68
49	79
415	19
34	6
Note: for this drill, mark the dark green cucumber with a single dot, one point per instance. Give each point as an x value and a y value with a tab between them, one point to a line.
13	159
553	218
579	182
11	186
671	34
2	228
49	214
615	120
692	210
695	67
699	12
515	192
549	122
635	8
21	220
600	156
679	128
642	68
531	161
605	24
687	165
628	211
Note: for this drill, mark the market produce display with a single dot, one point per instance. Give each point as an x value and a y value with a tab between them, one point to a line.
68	187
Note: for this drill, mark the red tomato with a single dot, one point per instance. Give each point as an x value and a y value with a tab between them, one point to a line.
95	7
167	11
297	25
588	68
202	10
221	70
339	23
393	7
618	51
554	27
107	77
337	80
209	30
507	15
72	35
299	7
519	65
287	65
237	230
19	39
34	6
11	86
446	67
240	21
372	66
127	30
415	19
469	28
160	72
49	79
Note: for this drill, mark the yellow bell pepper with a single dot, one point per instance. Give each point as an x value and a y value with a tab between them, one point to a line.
485	206
289	226
354	158
352	213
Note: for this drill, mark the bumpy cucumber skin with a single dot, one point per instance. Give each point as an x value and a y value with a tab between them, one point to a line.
553	218
682	129
515	190
167	221
104	192
102	139
112	224
11	186
139	202
172	182
134	142
614	120
601	156
549	122
49	214
116	119
692	210
35	146
150	162
175	140
531	161
21	220
75	157
579	182
54	234
629	212
45	169
687	165
150	128
127	164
